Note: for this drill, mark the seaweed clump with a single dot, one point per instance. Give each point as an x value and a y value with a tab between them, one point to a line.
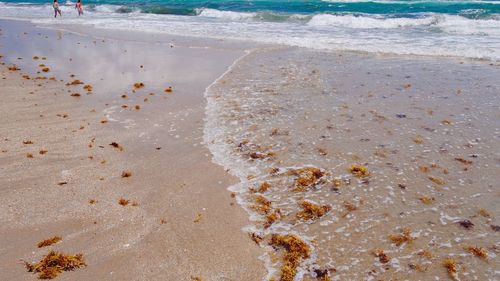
74	82
467	224
123	201
477	251
88	88
312	211
426	199
437	181
296	251
262	188
138	85
452	267
48	242
117	146
13	68
54	263
382	257
359	171
403	237
307	177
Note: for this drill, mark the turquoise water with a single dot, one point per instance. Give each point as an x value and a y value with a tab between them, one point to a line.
278	8
456	28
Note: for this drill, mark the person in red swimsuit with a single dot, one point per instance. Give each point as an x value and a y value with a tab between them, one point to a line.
79	7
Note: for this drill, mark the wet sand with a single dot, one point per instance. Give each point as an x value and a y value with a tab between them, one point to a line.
386	167
173	180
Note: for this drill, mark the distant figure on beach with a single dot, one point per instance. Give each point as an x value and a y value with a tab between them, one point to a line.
56	9
79	7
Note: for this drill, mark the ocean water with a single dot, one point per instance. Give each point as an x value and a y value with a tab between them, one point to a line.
460	28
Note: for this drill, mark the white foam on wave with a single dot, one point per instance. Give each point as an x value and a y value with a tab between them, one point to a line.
464	26
213	13
365	22
429	34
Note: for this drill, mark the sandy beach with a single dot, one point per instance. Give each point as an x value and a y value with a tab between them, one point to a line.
177	158
185	223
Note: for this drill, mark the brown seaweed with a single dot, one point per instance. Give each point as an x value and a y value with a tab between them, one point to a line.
54	263
382	257
88	88
312	211
139	85
296	251
437	181
197	219
403	237
452	267
123	201
467	224
359	171
48	242
426	199
117	146
307	177
477	251
74	82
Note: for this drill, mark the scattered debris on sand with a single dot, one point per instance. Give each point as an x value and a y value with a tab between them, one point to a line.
117	146
139	85
467	224
123	201
197	219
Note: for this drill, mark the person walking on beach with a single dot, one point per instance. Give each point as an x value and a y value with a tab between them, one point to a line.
56	9
79	7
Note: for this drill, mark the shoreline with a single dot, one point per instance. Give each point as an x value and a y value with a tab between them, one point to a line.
212	42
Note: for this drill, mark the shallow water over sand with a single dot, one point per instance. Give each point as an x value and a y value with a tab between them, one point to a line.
426	130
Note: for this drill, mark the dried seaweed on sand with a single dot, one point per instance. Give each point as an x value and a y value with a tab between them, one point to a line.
117	146
54	263
48	242
123	201
138	85
403	237
359	171
477	251
452	267
382	257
